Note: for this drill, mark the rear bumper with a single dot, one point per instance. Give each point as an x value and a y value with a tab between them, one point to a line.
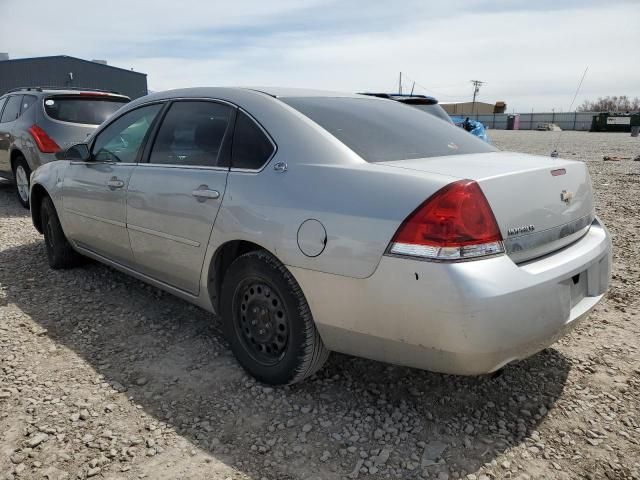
462	318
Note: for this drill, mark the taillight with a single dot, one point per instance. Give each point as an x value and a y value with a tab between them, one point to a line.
45	142
455	223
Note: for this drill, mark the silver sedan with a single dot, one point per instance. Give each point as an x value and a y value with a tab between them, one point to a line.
314	221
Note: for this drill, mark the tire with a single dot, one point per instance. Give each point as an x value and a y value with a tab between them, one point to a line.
21	175
267	321
59	252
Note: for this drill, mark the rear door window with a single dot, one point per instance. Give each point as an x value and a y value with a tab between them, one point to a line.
251	147
385	130
191	134
86	110
2	102
11	109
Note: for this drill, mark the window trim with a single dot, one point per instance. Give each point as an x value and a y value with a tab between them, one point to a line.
142	160
273	143
228	136
163	106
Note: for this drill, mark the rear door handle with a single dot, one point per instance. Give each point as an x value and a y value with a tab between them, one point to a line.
115	183
203	193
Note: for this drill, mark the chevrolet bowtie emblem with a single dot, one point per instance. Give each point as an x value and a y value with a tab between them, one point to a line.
566	197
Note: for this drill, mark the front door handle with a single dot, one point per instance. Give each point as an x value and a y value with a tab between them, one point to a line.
115	183
203	193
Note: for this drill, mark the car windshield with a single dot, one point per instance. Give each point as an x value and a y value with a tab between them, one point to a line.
384	130
86	110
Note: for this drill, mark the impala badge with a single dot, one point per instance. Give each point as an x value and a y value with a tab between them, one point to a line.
566	197
519	230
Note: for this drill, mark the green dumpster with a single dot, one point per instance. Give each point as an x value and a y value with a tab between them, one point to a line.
611	122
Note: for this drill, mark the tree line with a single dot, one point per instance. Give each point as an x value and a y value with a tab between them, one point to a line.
614	103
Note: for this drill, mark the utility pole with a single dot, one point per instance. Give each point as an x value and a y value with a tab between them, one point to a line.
476	89
400	84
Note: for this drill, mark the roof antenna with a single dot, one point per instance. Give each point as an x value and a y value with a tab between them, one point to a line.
555	153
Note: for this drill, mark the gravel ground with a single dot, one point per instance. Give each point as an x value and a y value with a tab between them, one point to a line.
102	376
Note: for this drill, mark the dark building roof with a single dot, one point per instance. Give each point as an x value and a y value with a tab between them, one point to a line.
65	71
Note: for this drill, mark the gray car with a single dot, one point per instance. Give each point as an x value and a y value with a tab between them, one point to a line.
314	221
36	122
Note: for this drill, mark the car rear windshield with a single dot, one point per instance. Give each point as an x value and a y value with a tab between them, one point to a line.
384	130
436	110
87	110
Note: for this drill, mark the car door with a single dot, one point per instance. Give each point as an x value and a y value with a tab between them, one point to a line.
94	192
8	117
173	198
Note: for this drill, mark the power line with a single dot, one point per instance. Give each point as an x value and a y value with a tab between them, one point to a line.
578	89
554	153
405	76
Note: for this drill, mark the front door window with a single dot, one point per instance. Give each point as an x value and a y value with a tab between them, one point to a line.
121	141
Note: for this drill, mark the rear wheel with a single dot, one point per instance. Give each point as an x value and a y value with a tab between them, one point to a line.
59	252
21	175
268	322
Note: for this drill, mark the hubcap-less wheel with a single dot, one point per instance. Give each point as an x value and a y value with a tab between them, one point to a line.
48	233
22	182
261	320
267	320
59	252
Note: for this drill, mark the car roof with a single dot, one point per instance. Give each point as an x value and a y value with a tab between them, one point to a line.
256	100
231	93
288	92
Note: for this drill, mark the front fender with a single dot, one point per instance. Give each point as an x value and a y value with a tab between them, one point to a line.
46	180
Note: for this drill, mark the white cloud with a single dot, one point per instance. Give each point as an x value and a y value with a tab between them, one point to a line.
529	58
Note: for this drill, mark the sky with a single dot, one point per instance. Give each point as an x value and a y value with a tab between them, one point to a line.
531	54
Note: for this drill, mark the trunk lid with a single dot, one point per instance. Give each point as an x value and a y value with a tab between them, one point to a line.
537	211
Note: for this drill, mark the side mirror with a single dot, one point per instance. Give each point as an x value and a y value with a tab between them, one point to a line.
79	152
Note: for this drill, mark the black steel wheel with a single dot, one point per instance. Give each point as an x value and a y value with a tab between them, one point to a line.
261	321
268	322
59	252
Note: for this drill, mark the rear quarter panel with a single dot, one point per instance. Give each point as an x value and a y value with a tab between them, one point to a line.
360	206
22	141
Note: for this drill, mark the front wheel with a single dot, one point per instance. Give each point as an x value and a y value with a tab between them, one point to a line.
268	322
59	251
21	175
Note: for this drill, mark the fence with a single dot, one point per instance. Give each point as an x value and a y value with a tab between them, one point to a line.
530	121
